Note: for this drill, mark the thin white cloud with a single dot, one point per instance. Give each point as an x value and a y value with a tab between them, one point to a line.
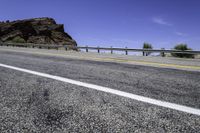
180	34
161	21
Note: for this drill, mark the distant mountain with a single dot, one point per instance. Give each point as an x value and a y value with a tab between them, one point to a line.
36	30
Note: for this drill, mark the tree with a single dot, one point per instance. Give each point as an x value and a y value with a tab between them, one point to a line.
182	47
147	46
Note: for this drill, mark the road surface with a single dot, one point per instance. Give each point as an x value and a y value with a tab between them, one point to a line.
33	103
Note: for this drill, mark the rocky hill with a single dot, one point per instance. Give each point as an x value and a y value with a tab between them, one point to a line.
36	30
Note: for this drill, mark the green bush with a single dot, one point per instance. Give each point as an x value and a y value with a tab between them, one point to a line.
18	40
182	47
147	46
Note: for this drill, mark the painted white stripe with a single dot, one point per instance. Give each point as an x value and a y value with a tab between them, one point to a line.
112	91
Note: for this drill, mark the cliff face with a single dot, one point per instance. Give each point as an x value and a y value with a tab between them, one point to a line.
37	30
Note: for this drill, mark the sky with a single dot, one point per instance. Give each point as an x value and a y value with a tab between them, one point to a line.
117	23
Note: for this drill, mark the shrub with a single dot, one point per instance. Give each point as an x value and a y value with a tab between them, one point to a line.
18	40
147	46
182	47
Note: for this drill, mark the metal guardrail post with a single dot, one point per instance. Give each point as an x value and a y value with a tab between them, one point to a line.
126	51
98	49
111	50
163	53
65	46
145	53
86	48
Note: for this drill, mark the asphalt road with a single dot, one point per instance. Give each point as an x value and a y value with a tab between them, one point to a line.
30	103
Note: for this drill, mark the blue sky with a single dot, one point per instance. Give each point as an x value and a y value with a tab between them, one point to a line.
117	23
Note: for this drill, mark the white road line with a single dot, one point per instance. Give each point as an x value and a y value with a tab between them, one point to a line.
112	91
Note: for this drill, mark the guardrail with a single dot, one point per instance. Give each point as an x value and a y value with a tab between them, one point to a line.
33	45
144	51
111	49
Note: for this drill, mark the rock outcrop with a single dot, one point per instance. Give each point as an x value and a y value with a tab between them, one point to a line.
36	30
